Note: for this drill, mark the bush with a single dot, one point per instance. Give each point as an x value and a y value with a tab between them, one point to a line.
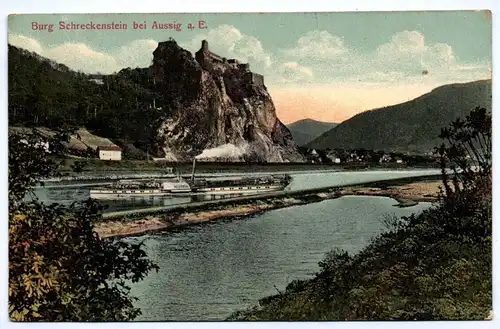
59	268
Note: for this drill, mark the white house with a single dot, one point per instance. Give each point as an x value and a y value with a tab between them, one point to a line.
334	157
385	158
110	152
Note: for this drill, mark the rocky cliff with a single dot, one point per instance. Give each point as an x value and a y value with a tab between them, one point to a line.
214	103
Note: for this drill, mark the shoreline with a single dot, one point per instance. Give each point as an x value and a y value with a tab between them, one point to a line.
110	176
202	168
406	195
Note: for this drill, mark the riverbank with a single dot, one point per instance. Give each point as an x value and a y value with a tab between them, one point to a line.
177	220
435	265
98	167
102	176
406	194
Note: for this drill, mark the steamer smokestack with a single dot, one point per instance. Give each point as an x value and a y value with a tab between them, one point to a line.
194	166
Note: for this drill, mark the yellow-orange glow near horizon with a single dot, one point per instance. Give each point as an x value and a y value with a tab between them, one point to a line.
341	102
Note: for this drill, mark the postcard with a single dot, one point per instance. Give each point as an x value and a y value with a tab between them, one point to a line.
250	166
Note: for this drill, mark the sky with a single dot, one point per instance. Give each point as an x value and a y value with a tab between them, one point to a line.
323	66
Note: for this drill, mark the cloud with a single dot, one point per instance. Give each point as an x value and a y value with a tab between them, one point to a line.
138	53
317	57
294	66
26	43
318	45
346	82
229	42
292	72
320	76
402	43
80	57
401	59
407	51
410	46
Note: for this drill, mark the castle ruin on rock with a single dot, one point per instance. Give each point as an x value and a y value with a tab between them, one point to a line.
213	62
209	101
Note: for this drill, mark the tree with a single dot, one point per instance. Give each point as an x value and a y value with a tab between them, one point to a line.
467	152
59	268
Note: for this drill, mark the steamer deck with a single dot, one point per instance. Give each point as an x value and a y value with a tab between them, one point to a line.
177	186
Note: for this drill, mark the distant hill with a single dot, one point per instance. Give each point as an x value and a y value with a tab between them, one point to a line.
306	130
410	126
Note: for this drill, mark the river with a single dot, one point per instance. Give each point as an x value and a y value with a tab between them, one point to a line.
209	271
68	192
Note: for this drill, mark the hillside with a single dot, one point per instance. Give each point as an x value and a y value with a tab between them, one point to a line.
179	107
306	130
410	126
85	141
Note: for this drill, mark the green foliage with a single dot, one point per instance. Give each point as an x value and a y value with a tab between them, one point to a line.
44	93
467	152
28	163
432	266
59	268
78	166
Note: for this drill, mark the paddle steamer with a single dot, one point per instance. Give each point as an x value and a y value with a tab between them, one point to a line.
176	185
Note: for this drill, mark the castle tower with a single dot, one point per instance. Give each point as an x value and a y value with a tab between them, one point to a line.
204	45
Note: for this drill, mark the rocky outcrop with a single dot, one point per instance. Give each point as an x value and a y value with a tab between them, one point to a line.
210	102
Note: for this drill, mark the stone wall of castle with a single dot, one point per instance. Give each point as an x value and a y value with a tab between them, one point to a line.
215	63
254	78
258	79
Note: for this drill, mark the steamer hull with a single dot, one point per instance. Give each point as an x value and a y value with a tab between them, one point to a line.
194	187
239	190
108	194
114	194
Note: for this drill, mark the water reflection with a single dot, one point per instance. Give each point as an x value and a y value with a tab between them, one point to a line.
66	195
145	202
209	271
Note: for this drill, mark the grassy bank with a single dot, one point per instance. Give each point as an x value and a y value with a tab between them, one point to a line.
434	266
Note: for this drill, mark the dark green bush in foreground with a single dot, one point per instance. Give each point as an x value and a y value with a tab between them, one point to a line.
432	266
59	268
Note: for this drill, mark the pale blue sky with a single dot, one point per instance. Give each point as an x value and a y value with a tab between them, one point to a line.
467	32
334	64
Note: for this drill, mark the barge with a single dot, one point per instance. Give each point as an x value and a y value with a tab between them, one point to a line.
176	185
